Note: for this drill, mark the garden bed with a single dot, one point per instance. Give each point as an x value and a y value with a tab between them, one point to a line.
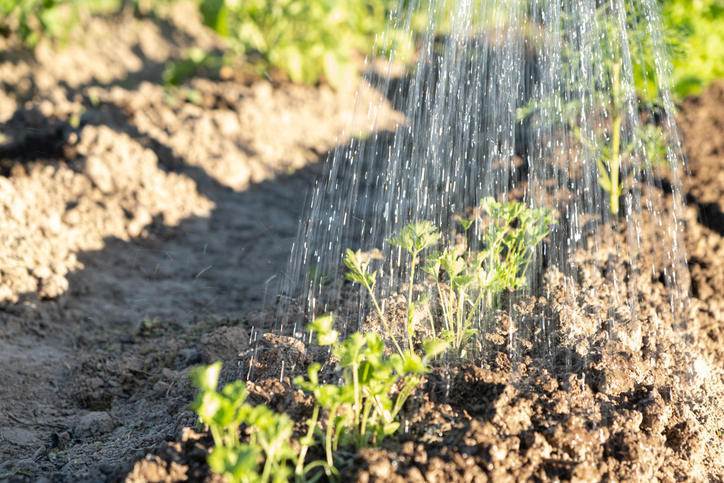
140	237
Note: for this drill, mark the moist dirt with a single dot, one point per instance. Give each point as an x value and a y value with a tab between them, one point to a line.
141	234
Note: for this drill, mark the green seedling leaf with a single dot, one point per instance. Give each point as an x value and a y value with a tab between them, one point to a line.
605	183
358	269
390	428
312	384
463	281
350	352
432	268
322	324
238	464
235	392
491	207
452	264
416	237
465	222
330	338
206	378
366	373
327	395
214	13
433	348
413	364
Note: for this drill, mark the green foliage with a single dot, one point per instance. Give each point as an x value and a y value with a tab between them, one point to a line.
469	282
360	409
302	38
358	273
224	412
607	101
699	26
508	250
194	60
466	282
414	238
31	19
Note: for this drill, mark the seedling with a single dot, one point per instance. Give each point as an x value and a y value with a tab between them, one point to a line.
359	273
606	105
467	282
224	412
414	238
474	280
360	409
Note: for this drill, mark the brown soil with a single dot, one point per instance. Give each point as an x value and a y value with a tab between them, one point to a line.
144	240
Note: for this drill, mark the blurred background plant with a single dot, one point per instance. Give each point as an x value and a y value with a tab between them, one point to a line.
303	39
32	20
699	56
308	41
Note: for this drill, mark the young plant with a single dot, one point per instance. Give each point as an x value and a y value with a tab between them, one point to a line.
469	282
609	172
359	273
612	137
224	412
414	238
360	409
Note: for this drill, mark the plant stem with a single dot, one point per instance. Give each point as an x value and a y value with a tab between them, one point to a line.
384	320
267	466
328	442
444	308
299	470
460	329
410	384
616	140
355	379
218	440
409	302
362	441
472	312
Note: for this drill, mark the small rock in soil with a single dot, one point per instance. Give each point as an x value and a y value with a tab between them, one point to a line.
94	424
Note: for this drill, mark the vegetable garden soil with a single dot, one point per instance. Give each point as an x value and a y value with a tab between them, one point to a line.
140	235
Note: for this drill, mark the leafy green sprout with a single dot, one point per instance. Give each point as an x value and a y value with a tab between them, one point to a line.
607	144
414	238
474	280
224	412
467	282
359	273
466	223
360	409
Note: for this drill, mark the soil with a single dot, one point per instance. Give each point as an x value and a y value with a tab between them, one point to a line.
140	235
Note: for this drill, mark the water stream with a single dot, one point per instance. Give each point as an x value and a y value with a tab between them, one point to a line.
558	104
